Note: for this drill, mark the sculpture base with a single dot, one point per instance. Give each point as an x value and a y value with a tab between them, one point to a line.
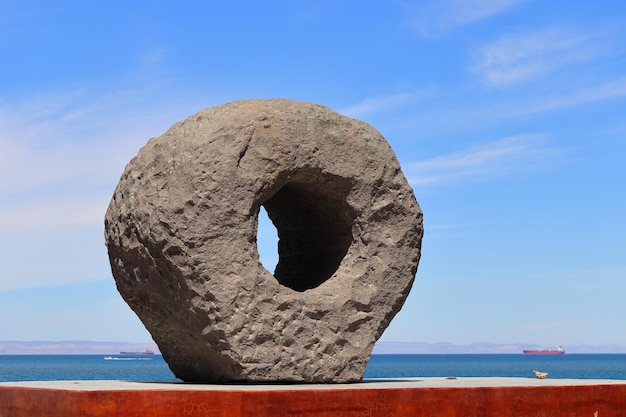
440	397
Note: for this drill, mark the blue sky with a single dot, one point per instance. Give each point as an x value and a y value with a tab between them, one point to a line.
508	117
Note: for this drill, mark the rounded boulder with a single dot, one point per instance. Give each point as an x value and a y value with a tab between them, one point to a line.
181	233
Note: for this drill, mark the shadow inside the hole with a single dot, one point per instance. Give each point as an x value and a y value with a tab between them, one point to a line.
314	225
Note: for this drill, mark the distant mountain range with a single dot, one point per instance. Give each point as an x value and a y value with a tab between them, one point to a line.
96	348
417	347
72	347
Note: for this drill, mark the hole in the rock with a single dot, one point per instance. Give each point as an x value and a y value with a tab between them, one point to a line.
314	225
267	241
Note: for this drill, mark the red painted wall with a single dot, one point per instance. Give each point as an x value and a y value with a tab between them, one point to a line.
549	401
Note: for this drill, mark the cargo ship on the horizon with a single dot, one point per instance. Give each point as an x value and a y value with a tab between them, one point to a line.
145	352
558	351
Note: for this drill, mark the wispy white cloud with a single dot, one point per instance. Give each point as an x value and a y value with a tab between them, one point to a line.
58	179
511	107
52	214
517	58
61	155
493	160
434	17
62	166
605	91
62	151
64	139
379	104
610	90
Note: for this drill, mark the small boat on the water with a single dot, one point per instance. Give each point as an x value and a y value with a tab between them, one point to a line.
558	351
145	352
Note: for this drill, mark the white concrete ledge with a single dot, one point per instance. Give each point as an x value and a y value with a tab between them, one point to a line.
438	382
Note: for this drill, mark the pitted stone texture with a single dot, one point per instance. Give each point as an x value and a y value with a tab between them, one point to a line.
181	234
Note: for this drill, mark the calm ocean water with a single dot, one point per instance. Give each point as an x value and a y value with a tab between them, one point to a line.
70	367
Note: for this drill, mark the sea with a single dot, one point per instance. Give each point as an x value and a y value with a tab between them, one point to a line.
154	368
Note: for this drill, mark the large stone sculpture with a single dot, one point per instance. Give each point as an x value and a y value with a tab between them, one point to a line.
181	233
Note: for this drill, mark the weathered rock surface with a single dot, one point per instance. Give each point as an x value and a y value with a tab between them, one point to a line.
181	234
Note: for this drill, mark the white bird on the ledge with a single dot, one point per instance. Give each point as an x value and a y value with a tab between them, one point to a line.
540	375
